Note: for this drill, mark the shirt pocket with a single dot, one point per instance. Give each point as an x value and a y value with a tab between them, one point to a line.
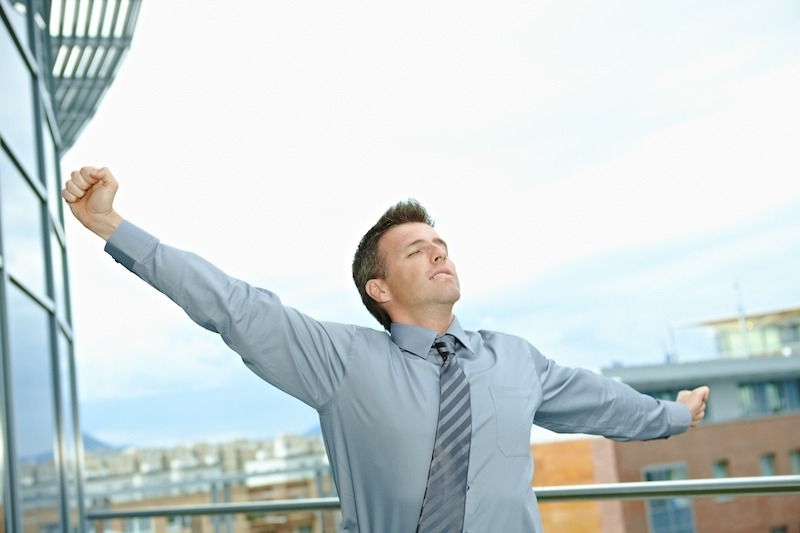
514	419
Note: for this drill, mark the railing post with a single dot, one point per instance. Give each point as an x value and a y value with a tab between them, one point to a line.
215	518
226	495
318	478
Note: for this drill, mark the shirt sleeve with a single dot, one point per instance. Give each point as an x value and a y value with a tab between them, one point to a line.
290	350
579	401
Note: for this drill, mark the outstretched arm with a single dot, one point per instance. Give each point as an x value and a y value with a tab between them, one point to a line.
90	192
695	401
294	352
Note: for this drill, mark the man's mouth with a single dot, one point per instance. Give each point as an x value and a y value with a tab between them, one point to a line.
442	274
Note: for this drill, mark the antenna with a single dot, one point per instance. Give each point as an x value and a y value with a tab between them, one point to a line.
742	320
671	352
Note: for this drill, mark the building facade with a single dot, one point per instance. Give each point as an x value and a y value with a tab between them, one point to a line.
752	428
56	61
753	447
284	468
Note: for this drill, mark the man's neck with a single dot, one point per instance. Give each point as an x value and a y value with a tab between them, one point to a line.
436	321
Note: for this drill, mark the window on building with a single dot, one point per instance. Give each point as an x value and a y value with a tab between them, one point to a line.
769	397
31	389
23	229
16	105
759	342
767	464
179	524
765	341
137	525
673	515
794	462
791	336
721	469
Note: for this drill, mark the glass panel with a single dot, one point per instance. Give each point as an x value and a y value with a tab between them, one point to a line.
731	344
791	394
765	341
794	462
672	515
33	410
59	287
137	525
772	393
51	177
2	466
23	236
746	400
767	464
179	524
769	397
16	105
68	435
720	469
17	17
772	341
791	333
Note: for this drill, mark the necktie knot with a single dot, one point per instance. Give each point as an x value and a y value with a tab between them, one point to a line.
445	346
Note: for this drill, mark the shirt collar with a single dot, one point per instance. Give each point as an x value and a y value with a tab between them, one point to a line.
418	340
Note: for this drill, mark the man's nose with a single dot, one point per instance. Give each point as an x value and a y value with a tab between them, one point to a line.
439	254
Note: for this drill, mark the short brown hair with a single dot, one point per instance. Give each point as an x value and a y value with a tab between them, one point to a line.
369	264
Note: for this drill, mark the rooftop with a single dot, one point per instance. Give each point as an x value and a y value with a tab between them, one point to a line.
701	372
753	320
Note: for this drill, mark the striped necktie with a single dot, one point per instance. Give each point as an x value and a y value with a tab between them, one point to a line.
446	492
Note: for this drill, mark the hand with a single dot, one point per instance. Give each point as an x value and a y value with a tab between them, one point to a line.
695	400
90	195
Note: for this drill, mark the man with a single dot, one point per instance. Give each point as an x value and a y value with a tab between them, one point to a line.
427	428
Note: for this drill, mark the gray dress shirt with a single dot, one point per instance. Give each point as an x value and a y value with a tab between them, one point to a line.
377	394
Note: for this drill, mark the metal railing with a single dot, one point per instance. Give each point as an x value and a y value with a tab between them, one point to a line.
742	486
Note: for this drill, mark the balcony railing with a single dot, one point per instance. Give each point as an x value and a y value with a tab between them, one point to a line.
743	486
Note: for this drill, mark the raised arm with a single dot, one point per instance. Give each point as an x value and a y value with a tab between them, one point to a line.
289	349
90	192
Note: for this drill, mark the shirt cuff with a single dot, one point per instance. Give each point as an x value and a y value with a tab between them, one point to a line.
128	244
680	418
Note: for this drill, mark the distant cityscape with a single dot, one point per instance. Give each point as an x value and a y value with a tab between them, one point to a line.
755	379
114	477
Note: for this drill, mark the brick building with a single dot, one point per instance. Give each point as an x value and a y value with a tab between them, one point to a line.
752	428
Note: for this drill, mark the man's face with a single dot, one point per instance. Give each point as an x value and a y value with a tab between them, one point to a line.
419	273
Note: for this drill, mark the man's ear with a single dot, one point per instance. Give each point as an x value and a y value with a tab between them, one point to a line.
378	291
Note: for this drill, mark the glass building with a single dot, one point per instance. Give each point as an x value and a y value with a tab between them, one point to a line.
57	59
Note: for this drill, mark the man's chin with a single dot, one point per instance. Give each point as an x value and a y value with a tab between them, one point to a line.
456	296
449	295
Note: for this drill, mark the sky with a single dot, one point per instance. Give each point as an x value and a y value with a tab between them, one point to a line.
605	174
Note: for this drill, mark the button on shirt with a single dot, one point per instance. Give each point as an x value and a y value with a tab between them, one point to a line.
377	394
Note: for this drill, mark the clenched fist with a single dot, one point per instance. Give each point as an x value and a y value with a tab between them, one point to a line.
695	400
90	192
